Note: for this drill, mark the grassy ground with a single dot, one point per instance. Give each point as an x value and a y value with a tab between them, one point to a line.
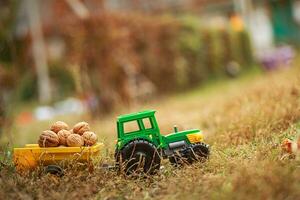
245	120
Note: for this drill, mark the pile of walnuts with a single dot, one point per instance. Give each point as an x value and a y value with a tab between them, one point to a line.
61	135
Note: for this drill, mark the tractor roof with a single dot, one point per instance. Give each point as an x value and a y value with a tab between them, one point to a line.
137	115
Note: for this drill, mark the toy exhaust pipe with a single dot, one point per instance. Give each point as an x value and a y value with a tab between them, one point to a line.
175	129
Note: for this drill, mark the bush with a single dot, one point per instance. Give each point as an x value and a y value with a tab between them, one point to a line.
28	87
191	50
117	52
245	47
63	83
241	48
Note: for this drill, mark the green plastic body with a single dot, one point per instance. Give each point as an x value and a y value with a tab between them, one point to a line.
150	133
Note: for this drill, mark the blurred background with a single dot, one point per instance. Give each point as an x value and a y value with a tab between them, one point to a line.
94	58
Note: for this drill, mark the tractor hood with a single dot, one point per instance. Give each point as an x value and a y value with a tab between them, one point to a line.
191	136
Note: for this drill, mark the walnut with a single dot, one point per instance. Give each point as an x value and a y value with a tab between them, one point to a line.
63	135
81	127
90	138
75	140
48	139
59	125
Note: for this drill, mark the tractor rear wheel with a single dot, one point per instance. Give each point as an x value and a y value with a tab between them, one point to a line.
138	156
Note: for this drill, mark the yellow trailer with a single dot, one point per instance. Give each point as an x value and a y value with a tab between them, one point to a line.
31	156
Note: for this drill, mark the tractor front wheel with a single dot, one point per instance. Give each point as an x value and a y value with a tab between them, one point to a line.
195	152
138	156
200	152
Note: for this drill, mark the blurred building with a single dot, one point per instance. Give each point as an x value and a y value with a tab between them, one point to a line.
285	20
270	22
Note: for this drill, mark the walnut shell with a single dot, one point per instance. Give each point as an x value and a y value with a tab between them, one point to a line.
81	127
48	139
90	138
75	140
62	136
59	125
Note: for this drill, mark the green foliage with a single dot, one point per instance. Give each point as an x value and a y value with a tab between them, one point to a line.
191	49
241	48
189	40
214	55
62	84
245	47
8	17
28	87
6	159
5	55
62	81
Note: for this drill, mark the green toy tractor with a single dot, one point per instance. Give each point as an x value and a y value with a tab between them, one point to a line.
140	145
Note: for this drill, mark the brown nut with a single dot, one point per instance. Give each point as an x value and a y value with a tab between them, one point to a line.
62	136
48	139
81	127
90	138
75	140
59	125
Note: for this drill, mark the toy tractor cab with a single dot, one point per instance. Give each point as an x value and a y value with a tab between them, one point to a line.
141	146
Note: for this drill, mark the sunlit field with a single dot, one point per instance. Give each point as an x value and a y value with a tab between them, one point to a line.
244	121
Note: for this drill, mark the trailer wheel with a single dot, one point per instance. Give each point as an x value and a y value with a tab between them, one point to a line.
54	169
138	156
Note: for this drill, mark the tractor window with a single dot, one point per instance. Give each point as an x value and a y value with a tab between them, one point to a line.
147	123
131	126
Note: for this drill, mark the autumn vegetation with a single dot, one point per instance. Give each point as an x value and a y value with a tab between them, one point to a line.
244	120
122	57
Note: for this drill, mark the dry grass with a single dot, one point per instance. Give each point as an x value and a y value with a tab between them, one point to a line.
245	120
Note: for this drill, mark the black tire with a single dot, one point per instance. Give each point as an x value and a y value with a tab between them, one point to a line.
55	170
195	152
138	156
200	152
